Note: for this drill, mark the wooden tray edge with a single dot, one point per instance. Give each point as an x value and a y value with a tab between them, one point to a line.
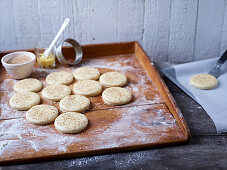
115	48
91	153
163	89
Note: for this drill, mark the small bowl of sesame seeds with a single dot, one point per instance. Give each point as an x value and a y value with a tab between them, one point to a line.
20	64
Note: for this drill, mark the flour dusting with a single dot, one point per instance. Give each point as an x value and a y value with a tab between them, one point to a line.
6	86
145	120
146	124
36	137
17	133
7	91
122	64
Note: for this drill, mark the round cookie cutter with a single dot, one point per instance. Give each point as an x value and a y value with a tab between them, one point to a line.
77	48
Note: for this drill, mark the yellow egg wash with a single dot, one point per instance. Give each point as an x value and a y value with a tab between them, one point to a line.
46	62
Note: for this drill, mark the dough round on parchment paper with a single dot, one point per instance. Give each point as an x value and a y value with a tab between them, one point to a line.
71	122
113	79
87	88
41	114
24	100
59	77
116	96
74	103
28	85
56	92
86	73
204	81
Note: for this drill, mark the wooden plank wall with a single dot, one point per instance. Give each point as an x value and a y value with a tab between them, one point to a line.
169	30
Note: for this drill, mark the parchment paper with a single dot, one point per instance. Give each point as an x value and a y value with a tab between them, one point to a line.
213	101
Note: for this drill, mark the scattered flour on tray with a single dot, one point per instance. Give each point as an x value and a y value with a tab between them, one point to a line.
16	133
129	120
7	85
6	89
129	68
114	65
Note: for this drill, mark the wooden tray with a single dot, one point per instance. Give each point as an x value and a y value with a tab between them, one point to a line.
151	119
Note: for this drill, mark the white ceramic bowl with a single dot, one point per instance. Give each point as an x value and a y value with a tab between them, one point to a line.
19	71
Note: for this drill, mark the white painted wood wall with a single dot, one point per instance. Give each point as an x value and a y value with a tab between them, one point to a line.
168	30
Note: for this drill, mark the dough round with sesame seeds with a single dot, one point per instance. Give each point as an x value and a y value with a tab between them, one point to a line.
41	114
204	81
24	100
87	88
59	77
71	122
56	92
74	103
113	79
28	85
86	73
116	96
